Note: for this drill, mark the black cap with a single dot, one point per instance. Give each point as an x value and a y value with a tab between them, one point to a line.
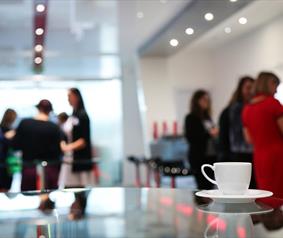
45	106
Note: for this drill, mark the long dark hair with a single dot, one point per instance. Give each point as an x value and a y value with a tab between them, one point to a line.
196	108
78	94
237	95
8	118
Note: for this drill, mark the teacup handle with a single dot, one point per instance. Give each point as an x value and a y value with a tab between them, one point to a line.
205	175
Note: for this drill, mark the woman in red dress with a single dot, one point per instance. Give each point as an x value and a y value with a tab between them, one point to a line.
263	127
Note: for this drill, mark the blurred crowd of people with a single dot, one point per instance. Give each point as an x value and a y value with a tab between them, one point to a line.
250	129
40	139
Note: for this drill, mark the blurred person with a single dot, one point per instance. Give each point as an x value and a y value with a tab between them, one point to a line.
80	144
200	132
62	118
232	144
65	124
39	140
263	128
78	207
6	131
8	120
272	220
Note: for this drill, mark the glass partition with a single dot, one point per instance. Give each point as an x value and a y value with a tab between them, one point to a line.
103	104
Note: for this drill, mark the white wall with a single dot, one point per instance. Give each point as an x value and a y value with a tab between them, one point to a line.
158	92
189	70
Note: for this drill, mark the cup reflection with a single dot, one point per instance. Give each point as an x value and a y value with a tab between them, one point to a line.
232	220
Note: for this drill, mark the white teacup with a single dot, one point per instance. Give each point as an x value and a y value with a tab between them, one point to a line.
232	178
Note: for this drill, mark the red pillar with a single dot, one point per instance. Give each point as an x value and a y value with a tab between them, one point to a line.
155	131
175	128
164	128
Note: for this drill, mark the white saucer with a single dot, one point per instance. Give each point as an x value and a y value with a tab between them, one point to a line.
219	197
235	208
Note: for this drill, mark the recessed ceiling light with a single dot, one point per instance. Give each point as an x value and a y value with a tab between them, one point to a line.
163	1
39	31
189	31
208	16
243	20
227	30
174	42
40	8
38	48
140	15
38	60
233	0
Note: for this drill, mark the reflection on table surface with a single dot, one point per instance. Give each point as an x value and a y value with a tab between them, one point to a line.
133	212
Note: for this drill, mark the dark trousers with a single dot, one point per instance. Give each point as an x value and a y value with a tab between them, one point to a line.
5	179
29	177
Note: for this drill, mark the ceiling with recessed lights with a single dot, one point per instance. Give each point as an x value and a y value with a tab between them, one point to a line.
196	19
258	13
87	39
82	38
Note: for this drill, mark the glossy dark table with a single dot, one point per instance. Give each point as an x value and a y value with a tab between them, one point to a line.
132	212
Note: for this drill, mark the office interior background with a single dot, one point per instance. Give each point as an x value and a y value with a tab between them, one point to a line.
136	63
